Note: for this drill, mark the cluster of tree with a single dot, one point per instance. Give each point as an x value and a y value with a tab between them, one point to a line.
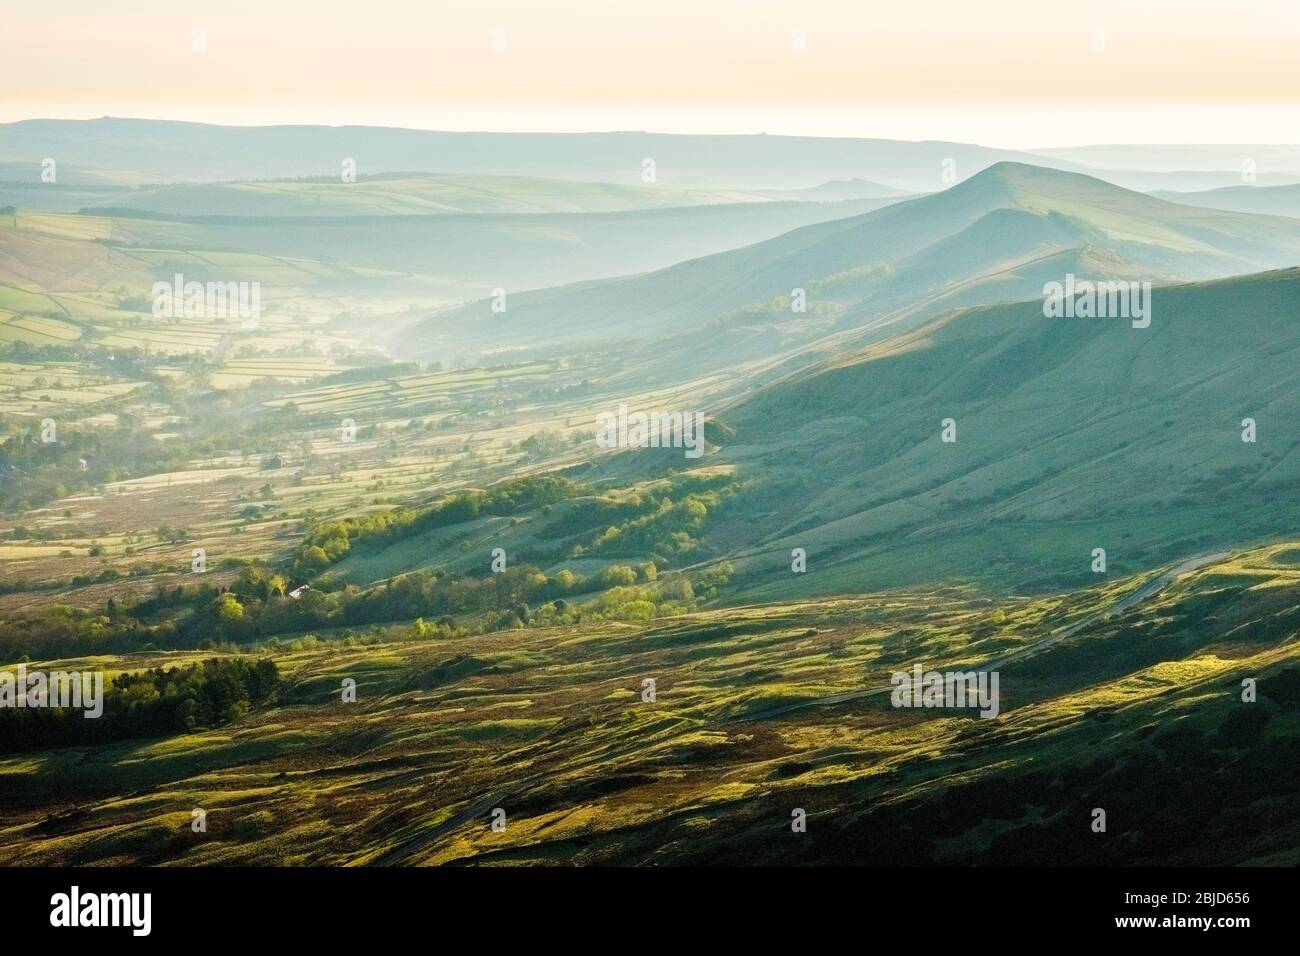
135	363
62	631
34	472
657	519
329	542
176	617
675	595
543	444
149	703
617	598
135	303
666	520
367	372
256	606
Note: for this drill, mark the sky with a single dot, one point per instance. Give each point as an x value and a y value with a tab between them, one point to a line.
1011	73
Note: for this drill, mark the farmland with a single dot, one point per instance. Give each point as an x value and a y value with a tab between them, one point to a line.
389	480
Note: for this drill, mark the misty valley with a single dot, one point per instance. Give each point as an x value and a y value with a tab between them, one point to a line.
886	503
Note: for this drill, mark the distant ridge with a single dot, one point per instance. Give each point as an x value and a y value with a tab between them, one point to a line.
170	151
928	253
1266	200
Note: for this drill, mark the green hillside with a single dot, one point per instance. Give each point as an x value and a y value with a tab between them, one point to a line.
758	711
1072	434
65	269
234	520
859	269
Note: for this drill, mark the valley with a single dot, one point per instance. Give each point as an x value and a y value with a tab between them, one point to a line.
389	562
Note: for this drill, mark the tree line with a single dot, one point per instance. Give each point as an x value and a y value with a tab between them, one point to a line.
149	703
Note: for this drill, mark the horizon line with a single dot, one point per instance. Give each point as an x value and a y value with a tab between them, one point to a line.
632	131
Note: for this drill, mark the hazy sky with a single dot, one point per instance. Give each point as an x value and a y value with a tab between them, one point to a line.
1002	72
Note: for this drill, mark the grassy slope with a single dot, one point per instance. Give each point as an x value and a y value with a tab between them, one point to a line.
1134	713
1071	434
63	278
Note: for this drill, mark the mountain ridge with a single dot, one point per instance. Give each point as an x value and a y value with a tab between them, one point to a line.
1156	239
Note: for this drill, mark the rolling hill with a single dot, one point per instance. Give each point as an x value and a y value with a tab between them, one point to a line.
403	256
467	255
1268	200
1198	157
167	151
398	194
991	238
1071	434
759	710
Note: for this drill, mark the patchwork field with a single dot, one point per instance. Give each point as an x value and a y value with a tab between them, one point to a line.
390	481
